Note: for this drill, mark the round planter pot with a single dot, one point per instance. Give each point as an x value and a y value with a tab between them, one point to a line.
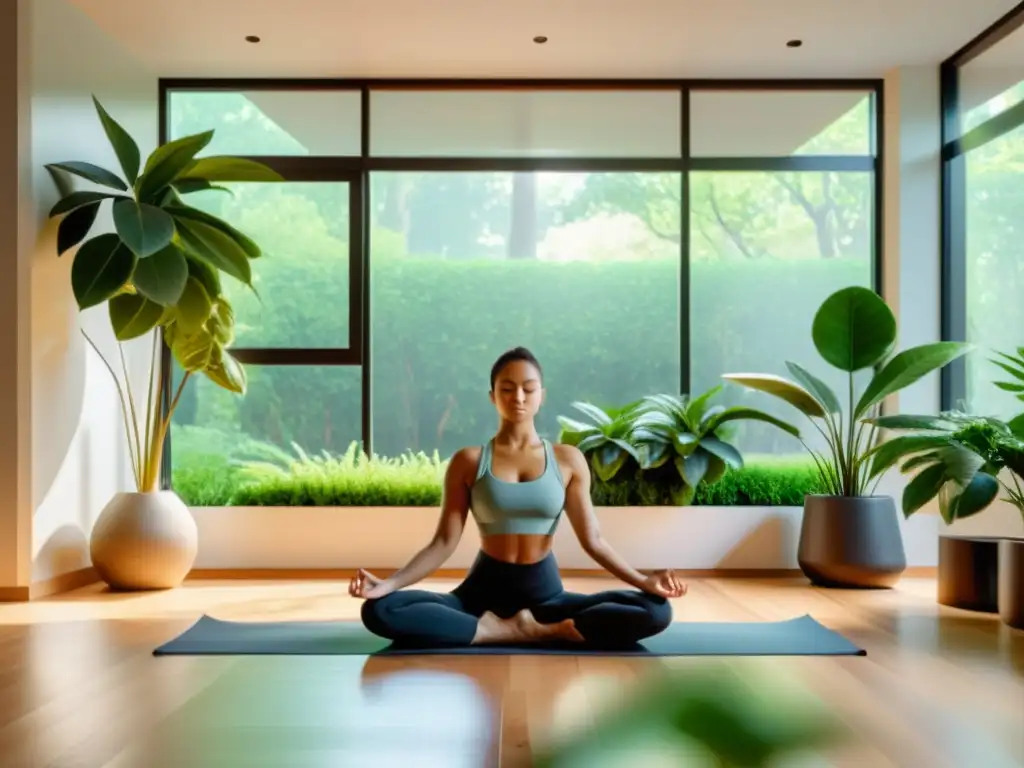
1011	582
969	572
144	541
852	542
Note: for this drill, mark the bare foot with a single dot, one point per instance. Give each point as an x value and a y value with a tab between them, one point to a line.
523	628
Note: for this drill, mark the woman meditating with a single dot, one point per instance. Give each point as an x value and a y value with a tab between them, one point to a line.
517	487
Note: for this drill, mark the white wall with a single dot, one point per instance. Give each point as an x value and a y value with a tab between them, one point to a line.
79	456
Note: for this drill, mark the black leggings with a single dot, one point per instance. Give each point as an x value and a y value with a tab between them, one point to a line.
615	618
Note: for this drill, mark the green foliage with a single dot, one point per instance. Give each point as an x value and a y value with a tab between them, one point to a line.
641	443
215	469
853	330
142	269
160	249
709	714
958	458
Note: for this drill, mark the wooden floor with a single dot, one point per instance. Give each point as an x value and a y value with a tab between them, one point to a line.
79	687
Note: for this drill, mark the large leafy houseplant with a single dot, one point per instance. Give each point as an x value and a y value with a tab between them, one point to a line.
853	330
160	269
675	439
959	458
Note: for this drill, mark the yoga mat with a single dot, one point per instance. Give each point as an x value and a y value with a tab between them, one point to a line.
801	636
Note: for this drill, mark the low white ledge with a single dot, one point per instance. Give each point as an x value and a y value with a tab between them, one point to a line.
690	538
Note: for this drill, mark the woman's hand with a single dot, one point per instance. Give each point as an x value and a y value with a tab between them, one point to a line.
365	584
664	583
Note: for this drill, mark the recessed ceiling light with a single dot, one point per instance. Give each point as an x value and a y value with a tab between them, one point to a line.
540	39
251	39
794	43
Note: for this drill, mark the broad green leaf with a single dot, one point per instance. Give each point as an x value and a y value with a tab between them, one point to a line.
608	460
132	315
144	228
923	488
74	227
818	388
92	173
695	466
685	443
967	500
125	148
911	421
854	329
229	374
596	414
193	307
162	276
194	352
722	450
886	454
742	412
80	198
205	274
792	393
220	168
215	248
698	404
629	449
592	442
657	454
1016	425
961	463
102	265
244	241
167	161
716	469
188	186
907	367
683	495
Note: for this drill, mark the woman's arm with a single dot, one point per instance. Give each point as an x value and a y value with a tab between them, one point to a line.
580	511
454	510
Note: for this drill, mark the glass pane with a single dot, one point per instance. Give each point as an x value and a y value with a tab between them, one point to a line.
779	123
303	276
582	268
292	123
767	249
214	433
517	123
995	269
993	82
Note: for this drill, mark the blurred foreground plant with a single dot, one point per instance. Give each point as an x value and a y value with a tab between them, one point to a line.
728	715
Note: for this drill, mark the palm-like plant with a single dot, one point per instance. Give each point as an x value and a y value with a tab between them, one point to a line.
853	330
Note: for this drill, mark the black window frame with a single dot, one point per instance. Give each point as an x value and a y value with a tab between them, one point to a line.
357	170
953	213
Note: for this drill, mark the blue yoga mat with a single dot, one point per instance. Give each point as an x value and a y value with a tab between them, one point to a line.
801	636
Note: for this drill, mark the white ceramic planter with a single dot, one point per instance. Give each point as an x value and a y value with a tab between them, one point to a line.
144	541
691	538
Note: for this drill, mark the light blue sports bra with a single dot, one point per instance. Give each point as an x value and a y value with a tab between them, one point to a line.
534	506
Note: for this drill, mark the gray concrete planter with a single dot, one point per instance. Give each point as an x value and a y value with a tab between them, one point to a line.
851	542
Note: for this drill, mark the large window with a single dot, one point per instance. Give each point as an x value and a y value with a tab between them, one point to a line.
639	240
983	249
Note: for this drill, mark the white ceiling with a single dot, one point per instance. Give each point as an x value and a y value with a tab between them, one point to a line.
493	38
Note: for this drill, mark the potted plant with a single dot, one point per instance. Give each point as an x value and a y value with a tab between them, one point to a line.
158	272
849	536
964	461
673	441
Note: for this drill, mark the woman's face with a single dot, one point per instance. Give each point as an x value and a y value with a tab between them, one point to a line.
518	393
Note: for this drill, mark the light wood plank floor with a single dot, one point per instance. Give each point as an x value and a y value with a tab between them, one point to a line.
79	687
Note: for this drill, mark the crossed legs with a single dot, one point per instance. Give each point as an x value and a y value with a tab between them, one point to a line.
614	618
